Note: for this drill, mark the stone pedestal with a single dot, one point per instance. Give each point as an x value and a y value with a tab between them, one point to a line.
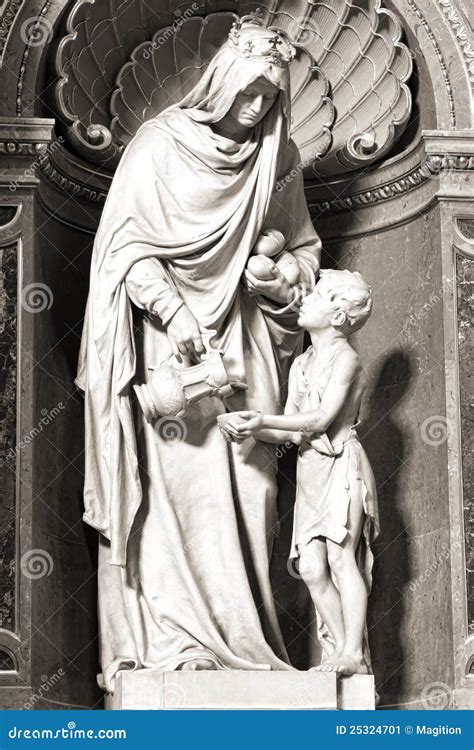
149	690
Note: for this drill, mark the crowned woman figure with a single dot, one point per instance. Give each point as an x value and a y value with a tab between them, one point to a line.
186	525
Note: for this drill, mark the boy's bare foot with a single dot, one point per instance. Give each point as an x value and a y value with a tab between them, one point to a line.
343	664
327	656
197	664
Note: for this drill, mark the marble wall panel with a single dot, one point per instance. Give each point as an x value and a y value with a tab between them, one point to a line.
465	297
8	432
64	603
404	431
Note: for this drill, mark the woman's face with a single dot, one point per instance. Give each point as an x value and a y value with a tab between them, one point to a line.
253	103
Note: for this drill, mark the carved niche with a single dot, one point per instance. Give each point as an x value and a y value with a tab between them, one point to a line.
350	96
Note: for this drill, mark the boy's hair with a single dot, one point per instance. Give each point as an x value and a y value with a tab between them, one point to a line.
351	294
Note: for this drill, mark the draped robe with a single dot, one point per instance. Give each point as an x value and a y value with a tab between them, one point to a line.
187	525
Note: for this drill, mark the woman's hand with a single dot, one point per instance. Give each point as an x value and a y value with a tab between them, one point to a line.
184	335
238	431
277	289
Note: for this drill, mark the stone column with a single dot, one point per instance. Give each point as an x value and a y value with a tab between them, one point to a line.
23	143
450	156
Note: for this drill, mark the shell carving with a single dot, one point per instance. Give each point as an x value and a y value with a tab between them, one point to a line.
118	66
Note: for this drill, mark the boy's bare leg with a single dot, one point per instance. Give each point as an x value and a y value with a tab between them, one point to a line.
353	593
314	570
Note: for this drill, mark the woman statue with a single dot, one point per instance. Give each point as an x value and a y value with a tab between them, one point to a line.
186	527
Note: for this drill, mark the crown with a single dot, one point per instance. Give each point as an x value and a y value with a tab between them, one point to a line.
251	40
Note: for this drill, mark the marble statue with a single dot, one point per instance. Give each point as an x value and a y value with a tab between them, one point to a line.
186	526
335	515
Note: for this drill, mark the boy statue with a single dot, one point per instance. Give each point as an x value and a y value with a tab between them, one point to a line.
335	515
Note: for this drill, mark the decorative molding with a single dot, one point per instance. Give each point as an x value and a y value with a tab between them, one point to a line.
377	194
437	163
442	62
463	37
6	22
18	148
431	167
24	61
69	186
25	136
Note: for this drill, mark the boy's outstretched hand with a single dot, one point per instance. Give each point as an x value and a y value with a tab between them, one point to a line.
253	423
243	426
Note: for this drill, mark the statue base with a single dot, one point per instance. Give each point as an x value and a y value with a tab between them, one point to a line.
149	690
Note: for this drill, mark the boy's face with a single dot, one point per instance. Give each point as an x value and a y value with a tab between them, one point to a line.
317	310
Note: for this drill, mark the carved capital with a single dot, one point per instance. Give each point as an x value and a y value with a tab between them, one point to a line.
25	137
